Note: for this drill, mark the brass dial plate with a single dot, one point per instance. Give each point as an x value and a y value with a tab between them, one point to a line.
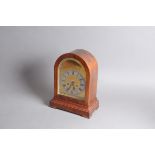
71	79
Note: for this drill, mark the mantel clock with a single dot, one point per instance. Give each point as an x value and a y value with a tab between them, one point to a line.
75	83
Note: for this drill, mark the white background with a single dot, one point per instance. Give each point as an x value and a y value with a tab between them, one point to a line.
126	76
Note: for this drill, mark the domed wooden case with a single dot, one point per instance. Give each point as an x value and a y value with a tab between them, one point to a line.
85	65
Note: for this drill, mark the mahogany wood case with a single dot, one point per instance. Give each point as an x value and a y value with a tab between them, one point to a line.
90	103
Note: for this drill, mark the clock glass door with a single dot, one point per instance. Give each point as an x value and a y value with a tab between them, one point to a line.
71	79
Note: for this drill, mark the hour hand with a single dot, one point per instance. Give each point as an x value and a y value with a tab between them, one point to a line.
71	84
69	87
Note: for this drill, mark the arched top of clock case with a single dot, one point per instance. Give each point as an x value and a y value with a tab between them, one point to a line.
86	58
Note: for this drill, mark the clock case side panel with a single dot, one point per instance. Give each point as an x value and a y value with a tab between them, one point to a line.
92	65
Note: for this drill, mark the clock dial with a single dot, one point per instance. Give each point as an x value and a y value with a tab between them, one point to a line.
72	82
72	79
